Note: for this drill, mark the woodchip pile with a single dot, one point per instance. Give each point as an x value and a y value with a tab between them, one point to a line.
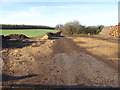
111	31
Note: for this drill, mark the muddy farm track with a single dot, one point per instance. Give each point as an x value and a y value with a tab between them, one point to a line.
67	62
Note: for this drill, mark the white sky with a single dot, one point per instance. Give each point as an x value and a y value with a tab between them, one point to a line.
59	0
51	14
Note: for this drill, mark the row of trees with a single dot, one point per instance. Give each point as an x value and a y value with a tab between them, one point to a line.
75	27
8	26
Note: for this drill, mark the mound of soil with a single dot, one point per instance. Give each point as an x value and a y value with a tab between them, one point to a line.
45	37
14	41
55	34
16	36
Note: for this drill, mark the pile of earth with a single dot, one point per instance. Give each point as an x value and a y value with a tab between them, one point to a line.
51	35
14	36
14	41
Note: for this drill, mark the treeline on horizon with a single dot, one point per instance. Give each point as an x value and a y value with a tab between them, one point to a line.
10	26
75	28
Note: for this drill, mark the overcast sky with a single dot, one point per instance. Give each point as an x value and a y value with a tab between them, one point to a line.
53	13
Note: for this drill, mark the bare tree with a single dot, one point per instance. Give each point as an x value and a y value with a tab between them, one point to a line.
72	28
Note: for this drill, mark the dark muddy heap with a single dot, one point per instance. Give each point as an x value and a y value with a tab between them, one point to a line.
14	41
15	36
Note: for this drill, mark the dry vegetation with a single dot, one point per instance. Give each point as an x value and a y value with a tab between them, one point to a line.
102	48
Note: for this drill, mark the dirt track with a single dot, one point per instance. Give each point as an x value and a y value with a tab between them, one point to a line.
58	63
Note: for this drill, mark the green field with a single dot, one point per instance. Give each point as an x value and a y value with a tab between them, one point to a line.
27	32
